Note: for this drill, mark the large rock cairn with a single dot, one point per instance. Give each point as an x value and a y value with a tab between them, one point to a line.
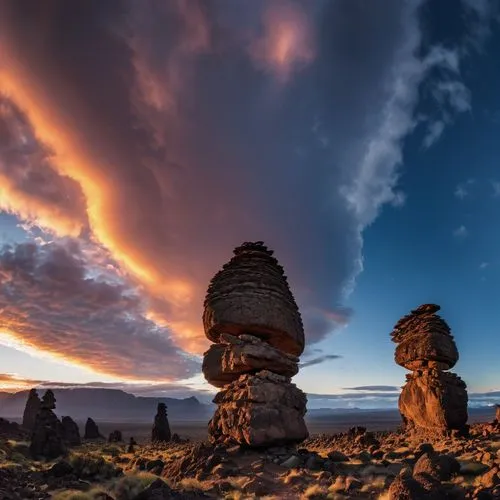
91	430
432	400
252	317
71	432
161	428
47	438
31	410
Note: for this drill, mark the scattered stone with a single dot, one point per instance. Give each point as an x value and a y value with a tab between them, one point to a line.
161	428
47	438
337	456
292	462
91	430
440	467
70	432
432	400
60	469
491	478
31	410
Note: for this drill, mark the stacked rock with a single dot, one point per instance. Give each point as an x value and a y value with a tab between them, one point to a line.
432	400
161	428
252	317
71	432
47	438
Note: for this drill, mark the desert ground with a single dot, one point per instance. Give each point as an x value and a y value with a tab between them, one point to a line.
358	456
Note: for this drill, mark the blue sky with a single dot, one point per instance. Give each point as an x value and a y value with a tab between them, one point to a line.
359	143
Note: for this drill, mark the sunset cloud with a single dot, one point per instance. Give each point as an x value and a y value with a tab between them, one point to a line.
287	41
150	134
52	302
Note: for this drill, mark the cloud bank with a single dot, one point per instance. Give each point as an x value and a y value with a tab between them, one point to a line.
170	132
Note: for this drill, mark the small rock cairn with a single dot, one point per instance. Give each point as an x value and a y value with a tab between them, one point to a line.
161	428
433	400
251	315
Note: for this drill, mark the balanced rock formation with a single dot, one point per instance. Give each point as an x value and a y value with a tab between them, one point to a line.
31	410
161	429
91	430
47	438
70	432
432	400
252	317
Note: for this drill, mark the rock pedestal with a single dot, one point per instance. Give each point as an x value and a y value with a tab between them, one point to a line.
31	410
161	428
47	438
432	400
252	317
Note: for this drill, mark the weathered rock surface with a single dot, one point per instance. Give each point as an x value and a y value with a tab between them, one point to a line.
31	410
115	436
70	432
224	363
47	439
161	428
251	295
91	430
260	410
427	349
434	400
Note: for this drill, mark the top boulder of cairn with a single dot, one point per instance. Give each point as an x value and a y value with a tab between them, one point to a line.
424	340
250	295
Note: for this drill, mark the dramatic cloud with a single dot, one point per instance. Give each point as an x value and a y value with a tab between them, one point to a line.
53	301
374	388
157	130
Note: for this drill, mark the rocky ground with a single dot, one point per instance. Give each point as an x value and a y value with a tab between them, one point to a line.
356	464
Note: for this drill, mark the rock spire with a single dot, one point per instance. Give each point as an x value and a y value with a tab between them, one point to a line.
161	429
251	315
47	438
31	410
432	400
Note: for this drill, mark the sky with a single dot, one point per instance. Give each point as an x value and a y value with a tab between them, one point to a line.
140	142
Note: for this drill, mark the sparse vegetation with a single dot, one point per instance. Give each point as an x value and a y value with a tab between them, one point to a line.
130	485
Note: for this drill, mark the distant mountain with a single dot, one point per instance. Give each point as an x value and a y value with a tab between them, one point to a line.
108	405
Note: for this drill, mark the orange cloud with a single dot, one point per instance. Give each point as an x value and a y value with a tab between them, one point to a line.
287	42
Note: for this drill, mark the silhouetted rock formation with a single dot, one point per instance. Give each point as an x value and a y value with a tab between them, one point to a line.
91	430
115	437
161	429
47	440
70	432
431	400
31	410
251	313
132	442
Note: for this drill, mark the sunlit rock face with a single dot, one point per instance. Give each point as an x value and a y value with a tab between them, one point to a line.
252	316
250	295
432	400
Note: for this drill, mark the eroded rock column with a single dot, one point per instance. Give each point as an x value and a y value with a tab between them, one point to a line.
432	400
252	317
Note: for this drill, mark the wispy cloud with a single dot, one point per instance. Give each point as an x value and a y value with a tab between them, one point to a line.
319	360
377	388
462	191
496	188
461	232
484	265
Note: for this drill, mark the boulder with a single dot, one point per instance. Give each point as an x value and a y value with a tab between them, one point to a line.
434	400
427	349
115	437
259	410
224	363
70	432
251	295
